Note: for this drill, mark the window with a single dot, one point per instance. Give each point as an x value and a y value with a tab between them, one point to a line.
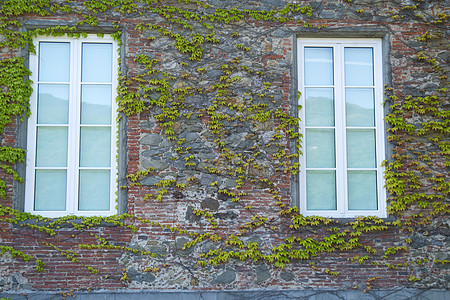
341	87
71	136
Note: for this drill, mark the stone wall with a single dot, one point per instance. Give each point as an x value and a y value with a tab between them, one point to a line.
213	139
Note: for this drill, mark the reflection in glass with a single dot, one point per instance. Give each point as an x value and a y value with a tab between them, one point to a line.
361	148
358	66
319	66
51	146
319	106
321	190
96	104
362	190
320	148
53	104
54	62
95	147
94	190
360	107
96	63
50	190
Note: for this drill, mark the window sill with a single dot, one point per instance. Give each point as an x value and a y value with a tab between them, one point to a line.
67	222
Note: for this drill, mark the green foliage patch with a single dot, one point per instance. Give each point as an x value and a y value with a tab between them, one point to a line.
415	180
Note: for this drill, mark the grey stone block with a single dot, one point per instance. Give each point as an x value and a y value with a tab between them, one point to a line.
287	276
134	275
226	277
157	164
153	152
190	216
150	180
158	249
151	139
179	244
262	273
190	136
210	203
207	179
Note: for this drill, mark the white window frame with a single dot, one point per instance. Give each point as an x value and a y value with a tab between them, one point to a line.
73	128
338	45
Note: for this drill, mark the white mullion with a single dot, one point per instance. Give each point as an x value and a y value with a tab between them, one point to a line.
340	136
77	126
361	128
31	135
114	131
319	127
72	130
95	168
379	130
97	83
69	187
52	82
51	168
301	101
95	125
319	86
360	87
51	125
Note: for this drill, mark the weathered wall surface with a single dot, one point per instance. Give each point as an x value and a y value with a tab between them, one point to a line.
208	106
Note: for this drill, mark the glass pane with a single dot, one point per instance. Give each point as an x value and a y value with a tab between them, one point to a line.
359	107
320	148
319	106
96	104
53	104
318	66
50	190
361	148
96	63
95	148
54	62
321	190
51	147
362	190
94	190
358	66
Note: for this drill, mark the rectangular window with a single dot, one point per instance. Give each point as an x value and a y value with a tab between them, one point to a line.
341	87
71	161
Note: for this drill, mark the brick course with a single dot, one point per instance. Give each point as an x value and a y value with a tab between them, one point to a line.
272	52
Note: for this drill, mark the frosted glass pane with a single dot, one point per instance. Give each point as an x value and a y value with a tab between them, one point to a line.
96	104
53	104
321	190
320	148
94	190
319	107
362	190
361	148
360	107
318	66
54	62
358	66
96	63
51	147
50	190
95	148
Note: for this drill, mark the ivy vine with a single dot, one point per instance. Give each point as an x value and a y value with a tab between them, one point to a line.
416	175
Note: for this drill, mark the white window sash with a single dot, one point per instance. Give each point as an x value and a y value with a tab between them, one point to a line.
73	130
341	168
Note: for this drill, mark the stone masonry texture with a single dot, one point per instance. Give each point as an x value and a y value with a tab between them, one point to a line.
198	212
